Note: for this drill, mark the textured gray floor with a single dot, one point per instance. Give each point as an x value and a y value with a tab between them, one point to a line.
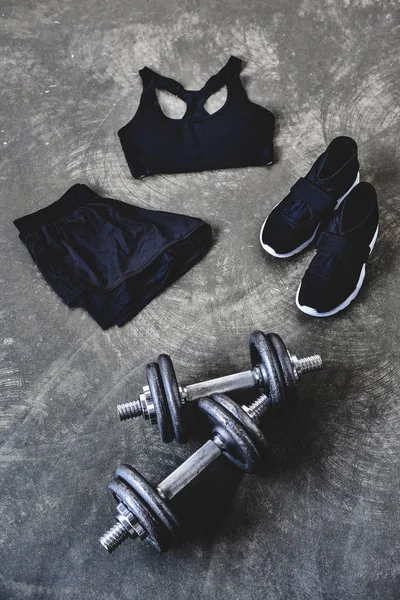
323	520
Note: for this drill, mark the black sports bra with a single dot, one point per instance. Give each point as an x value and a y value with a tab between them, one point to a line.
239	134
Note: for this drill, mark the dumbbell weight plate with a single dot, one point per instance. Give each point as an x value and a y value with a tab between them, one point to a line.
151	498
241	449
263	355
285	364
171	391
241	415
157	535
160	403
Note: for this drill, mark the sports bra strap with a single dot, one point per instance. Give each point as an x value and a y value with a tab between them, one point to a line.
151	78
223	77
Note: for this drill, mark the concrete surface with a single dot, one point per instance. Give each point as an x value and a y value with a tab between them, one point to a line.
323	520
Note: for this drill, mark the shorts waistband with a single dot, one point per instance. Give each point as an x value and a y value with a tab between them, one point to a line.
77	195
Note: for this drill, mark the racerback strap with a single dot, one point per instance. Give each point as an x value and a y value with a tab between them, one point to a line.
194	99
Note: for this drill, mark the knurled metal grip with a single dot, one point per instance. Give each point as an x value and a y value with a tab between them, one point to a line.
273	370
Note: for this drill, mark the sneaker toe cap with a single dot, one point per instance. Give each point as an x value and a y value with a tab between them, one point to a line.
320	294
279	235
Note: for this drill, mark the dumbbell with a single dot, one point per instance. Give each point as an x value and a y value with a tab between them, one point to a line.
144	511
162	400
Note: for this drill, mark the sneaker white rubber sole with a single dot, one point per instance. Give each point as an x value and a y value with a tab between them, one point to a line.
271	251
313	313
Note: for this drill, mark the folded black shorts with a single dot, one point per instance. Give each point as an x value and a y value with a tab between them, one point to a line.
108	257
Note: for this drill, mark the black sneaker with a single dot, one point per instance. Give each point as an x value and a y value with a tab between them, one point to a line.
337	271
293	223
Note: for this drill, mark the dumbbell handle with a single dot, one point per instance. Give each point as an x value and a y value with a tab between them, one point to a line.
187	471
237	381
210	451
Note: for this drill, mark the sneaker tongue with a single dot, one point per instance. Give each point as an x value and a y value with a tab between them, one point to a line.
325	185
322	263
